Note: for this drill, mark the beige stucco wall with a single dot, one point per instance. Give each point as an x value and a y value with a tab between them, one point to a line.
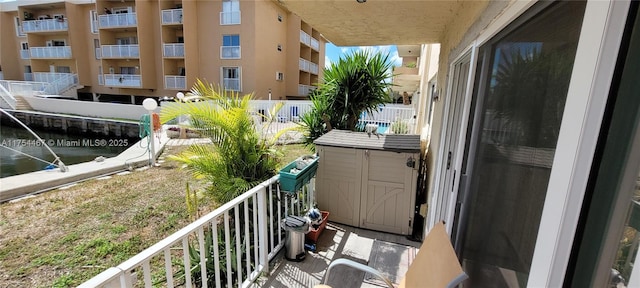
12	67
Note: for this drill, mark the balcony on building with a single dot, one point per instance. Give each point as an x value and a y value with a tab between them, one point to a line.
409	69
173	50
175	82
230	18
308	66
117	20
315	44
45	25
303	65
48	77
120	51
28	76
52	52
304	90
305	38
123	80
172	17
230	52
24	54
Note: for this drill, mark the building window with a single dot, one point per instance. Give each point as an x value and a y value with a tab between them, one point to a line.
93	20
279	18
122	10
231	78
279	47
230	47
230	14
56	43
96	46
128	70
127	40
279	76
19	31
63	69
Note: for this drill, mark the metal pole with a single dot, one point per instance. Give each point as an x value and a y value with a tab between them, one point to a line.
152	144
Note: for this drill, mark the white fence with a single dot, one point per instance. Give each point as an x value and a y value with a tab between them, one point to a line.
247	230
305	38
173	50
45	25
120	51
54	52
7	101
23	88
175	82
24	54
117	20
304	90
172	16
122	80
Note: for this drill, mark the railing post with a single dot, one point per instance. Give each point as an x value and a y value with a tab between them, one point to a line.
262	228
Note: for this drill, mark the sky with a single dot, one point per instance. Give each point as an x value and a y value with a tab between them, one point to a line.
333	52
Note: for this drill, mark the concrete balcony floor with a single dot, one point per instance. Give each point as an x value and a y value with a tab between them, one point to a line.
342	241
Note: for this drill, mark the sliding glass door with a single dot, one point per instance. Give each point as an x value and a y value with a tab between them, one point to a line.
522	87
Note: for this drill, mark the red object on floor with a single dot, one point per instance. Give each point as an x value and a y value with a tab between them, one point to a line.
314	233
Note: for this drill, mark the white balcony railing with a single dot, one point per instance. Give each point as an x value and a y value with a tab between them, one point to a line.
313	68
28	76
117	20
315	45
230	18
24	54
173	49
250	233
46	25
98	53
122	80
175	82
120	51
232	84
172	16
100	79
48	77
54	83
305	38
303	65
304	90
54	52
230	52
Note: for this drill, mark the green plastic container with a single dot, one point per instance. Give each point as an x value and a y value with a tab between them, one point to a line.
292	182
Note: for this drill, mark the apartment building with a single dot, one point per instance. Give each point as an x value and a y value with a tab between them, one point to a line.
124	51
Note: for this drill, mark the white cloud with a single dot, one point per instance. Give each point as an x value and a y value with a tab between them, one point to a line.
395	59
327	61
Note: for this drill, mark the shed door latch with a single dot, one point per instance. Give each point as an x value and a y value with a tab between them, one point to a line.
411	162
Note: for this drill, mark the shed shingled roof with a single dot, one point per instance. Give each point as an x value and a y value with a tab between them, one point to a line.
362	140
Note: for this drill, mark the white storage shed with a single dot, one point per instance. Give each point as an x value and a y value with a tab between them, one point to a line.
367	180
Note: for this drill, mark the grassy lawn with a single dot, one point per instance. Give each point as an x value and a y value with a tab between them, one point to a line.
64	237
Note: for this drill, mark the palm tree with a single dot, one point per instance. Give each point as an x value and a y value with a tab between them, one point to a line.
240	158
355	84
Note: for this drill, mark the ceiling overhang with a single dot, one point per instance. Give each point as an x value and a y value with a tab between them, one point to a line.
377	22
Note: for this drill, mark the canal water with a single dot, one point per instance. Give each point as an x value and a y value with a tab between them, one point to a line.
15	142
